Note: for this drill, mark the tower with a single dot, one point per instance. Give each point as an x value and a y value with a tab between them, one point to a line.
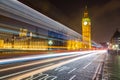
86	30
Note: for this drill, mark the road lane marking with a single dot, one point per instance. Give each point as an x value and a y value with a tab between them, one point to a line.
41	76
72	70
47	68
72	78
48	77
93	78
25	71
59	69
87	65
91	62
98	67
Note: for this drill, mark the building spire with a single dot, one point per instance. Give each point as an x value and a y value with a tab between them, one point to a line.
86	12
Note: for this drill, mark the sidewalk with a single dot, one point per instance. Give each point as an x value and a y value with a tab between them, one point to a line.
112	67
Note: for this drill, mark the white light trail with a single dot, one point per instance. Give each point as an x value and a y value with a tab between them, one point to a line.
29	58
48	68
38	62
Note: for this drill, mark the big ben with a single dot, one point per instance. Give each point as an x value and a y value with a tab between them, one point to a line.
86	30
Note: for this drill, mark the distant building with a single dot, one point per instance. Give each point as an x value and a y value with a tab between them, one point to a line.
115	41
86	30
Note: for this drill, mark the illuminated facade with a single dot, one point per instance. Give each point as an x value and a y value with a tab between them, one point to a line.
86	30
74	45
33	30
115	41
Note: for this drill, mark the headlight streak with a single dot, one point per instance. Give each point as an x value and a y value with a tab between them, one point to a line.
37	18
21	12
35	57
21	76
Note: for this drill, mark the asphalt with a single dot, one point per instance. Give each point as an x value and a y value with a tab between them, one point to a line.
83	68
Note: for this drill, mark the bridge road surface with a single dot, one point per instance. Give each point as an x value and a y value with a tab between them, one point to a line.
78	66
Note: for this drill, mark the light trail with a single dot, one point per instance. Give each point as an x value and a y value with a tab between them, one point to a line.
9	31
38	62
26	71
34	71
35	57
48	68
28	15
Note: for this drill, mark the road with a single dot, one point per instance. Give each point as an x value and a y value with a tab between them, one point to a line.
64	66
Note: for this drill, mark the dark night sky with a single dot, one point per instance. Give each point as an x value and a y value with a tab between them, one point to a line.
104	14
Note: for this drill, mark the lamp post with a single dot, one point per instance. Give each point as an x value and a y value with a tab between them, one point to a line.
50	43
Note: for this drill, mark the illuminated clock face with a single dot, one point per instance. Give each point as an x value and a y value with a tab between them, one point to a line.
85	23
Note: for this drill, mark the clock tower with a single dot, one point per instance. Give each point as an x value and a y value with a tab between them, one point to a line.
86	30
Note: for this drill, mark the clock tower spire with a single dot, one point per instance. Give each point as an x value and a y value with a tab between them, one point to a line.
86	12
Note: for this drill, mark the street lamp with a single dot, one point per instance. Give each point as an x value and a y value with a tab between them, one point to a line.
50	42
